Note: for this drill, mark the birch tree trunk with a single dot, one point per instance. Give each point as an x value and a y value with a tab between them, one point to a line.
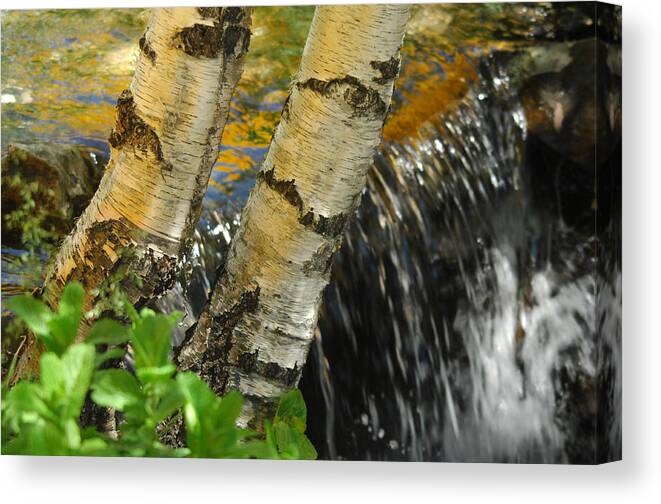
168	128
255	332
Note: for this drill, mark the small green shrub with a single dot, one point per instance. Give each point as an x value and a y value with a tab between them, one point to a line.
43	417
29	219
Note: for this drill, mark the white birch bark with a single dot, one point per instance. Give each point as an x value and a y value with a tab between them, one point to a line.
256	330
163	147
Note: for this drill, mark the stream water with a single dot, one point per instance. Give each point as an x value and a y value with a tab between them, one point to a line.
473	314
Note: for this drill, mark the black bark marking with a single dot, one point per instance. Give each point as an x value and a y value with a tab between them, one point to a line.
236	41
210	12
200	40
100	417
321	260
226	36
286	188
388	69
131	131
228	14
365	101
233	14
284	115
172	430
225	323
330	227
147	49
158	275
188	337
249	363
215	361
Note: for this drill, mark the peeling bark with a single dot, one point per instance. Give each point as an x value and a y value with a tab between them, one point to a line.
255	332
164	144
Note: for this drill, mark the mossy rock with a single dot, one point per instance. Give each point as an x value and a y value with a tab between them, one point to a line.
48	185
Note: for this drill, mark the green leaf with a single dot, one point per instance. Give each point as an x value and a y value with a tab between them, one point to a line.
12	368
150	338
130	310
51	375
306	449
96	447
78	363
71	302
196	393
293	444
292	410
289	428
171	401
116	388
229	408
285	441
199	413
64	326
23	405
108	332
60	332
156	374
34	313
115	353
251	449
72	433
40	438
271	444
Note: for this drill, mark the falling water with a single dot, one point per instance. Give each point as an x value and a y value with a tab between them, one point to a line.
447	333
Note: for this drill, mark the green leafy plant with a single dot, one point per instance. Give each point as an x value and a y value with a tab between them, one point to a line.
29	219
288	428
43	417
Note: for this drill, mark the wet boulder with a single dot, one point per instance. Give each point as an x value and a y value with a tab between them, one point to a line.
561	107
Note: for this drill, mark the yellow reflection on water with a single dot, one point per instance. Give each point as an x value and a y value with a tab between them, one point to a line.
63	69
